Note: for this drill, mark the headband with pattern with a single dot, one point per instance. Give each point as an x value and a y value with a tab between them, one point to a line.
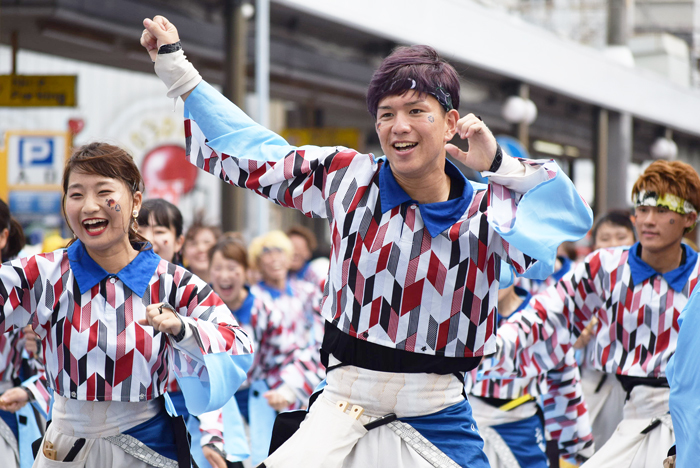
440	93
668	200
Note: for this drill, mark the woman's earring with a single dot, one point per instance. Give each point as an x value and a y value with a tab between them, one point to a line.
136	214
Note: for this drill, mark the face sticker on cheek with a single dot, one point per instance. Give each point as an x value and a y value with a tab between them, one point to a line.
379	125
431	119
113	204
672	221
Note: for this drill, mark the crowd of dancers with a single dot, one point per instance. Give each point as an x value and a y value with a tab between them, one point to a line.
448	327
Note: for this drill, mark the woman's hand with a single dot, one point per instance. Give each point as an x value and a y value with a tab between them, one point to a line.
162	318
159	31
14	399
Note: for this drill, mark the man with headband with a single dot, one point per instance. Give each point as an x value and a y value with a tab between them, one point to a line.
416	249
637	294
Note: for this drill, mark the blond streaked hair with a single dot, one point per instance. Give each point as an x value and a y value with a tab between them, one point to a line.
271	240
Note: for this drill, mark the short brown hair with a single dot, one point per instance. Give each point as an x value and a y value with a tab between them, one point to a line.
674	177
307	234
232	248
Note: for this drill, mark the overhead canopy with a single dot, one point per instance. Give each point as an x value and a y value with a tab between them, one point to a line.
499	42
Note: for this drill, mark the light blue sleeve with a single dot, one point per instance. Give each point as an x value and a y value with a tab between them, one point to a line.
683	374
225	374
229	130
550	213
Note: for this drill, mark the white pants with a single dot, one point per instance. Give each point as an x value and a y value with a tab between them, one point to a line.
605	405
9	454
330	438
628	447
93	421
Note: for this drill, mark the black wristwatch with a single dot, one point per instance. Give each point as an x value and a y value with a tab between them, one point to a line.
497	159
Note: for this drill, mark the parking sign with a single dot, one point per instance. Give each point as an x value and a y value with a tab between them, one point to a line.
35	151
35	160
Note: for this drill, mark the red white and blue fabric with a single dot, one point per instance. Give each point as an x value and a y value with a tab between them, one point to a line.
12	353
293	357
93	346
407	276
559	393
637	310
536	286
308	273
284	356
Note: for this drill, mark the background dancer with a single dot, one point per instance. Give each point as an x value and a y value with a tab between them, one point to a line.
19	424
200	237
603	393
415	251
282	372
636	294
161	223
299	302
511	413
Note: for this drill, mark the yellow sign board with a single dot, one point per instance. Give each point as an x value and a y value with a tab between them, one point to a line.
348	137
37	90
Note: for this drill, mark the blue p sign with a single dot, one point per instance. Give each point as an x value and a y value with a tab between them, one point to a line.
36	151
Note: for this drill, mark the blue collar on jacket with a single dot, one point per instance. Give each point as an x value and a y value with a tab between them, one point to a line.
437	217
276	293
136	275
676	278
244	313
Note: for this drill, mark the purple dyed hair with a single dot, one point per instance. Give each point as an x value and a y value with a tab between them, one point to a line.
420	64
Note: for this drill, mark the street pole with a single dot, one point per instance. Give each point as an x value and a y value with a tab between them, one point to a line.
262	89
233	206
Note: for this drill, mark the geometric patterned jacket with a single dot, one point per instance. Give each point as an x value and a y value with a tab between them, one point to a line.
637	310
418	280
558	392
87	319
293	314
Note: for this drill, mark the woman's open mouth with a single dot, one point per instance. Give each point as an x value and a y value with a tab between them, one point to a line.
95	226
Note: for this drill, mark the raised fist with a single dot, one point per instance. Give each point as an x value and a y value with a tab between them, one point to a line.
159	31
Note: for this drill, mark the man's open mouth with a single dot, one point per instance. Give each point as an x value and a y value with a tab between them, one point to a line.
403	146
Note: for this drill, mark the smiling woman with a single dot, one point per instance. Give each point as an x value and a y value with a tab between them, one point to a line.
115	320
98	181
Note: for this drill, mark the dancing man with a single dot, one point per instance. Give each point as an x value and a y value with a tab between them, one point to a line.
416	249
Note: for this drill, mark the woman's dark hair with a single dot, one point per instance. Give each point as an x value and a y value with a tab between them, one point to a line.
159	212
15	238
417	68
620	218
103	159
